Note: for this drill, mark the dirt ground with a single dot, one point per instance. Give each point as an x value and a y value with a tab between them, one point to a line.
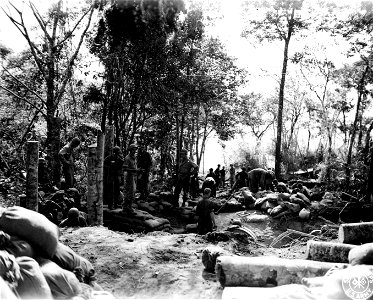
165	265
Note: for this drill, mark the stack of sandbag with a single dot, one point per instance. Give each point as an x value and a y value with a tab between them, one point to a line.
140	221
282	204
34	263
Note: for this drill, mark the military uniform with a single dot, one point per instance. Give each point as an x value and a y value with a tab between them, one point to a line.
130	168
114	165
186	169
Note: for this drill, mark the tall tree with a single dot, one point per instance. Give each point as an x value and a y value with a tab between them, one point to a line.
54	60
281	21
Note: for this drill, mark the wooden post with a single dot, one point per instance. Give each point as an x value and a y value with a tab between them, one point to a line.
95	181
92	186
32	161
109	144
100	176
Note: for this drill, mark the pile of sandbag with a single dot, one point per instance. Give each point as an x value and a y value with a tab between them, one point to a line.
34	264
140	221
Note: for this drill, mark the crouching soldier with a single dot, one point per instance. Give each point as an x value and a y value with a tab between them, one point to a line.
74	219
187	168
205	213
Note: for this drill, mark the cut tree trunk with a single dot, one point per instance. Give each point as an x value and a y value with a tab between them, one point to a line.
32	161
290	291
100	176
328	252
92	196
356	233
267	271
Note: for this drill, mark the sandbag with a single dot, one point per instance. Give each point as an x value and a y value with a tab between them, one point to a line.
33	227
67	259
9	268
361	255
15	246
5	291
63	283
32	284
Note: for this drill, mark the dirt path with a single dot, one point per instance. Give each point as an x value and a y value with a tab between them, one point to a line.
164	265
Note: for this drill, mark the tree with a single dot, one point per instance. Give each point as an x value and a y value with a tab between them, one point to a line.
54	61
281	21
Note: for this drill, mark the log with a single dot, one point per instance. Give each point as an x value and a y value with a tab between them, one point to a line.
328	252
290	291
356	233
32	162
267	271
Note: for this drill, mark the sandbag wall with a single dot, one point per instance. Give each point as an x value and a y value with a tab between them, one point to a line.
34	263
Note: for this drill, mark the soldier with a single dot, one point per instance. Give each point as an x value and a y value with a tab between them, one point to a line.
187	168
232	175
114	165
222	177
144	162
131	171
74	219
217	176
66	157
205	213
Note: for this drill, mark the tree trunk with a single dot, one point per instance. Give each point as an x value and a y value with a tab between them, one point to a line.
281	99
369	191
109	142
354	127
328	252
99	176
32	161
267	271
54	145
92	196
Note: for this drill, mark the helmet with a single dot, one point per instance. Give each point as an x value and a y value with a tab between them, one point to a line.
73	213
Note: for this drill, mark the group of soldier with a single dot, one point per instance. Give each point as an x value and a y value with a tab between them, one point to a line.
136	165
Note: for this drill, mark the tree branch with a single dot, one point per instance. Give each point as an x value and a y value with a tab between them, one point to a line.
24	85
67	73
23	99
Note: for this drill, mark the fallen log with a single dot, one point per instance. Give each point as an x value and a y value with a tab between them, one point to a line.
267	271
290	291
328	252
356	233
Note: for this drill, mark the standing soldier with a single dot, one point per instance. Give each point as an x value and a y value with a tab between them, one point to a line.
66	157
130	168
217	176
144	162
114	165
222	177
187	168
232	175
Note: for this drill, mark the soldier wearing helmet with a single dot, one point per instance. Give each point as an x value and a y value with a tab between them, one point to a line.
131	171
114	166
187	168
66	157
